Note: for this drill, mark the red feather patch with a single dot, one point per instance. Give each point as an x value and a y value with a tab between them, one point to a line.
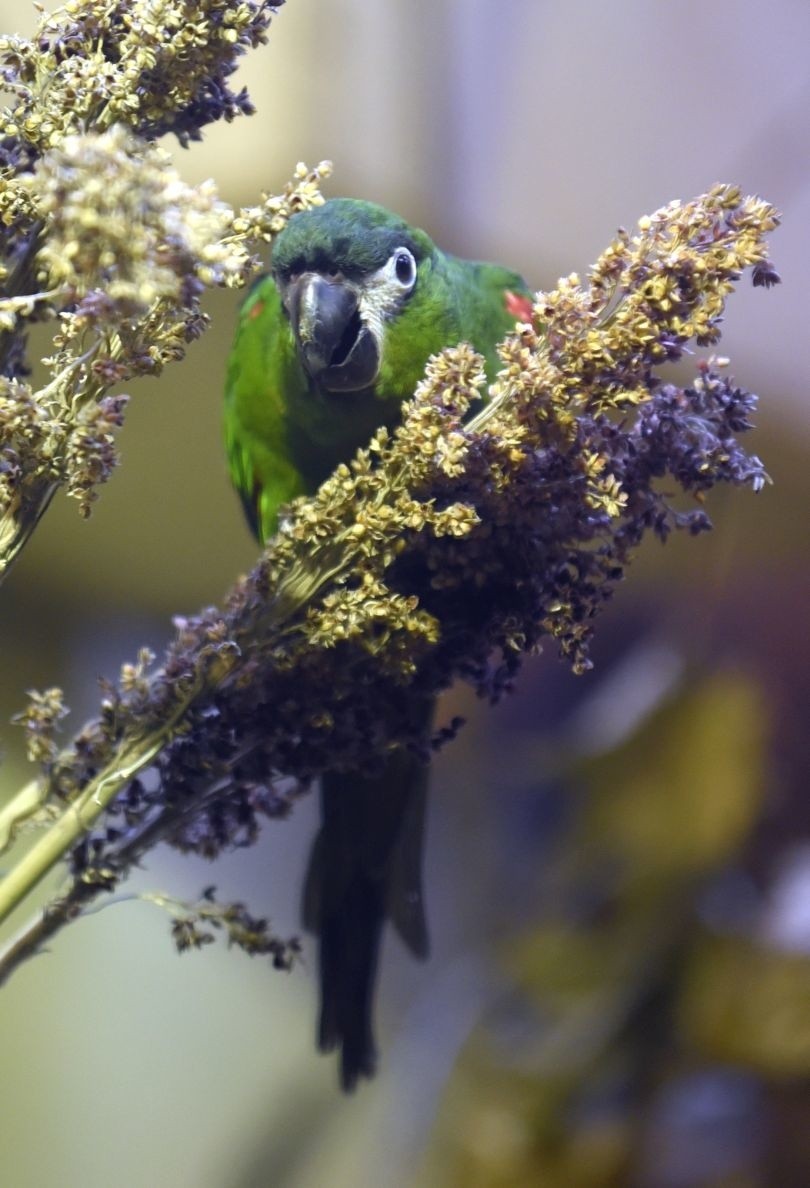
255	311
518	306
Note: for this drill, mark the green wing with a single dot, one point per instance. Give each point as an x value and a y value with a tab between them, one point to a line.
260	370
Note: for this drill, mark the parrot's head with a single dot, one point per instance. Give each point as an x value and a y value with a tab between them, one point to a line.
344	270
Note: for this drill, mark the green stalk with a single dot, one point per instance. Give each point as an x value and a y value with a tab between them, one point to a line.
18	523
80	816
22	806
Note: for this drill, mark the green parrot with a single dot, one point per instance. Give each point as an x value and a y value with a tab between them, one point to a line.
328	346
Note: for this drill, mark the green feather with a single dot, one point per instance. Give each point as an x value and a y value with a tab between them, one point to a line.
454	301
262	369
346	235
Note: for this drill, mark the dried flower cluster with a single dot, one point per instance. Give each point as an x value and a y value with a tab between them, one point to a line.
155	65
195	925
448	549
99	232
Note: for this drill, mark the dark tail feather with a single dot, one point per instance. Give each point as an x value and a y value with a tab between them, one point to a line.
365	867
348	953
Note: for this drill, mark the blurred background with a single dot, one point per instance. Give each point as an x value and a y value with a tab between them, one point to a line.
618	868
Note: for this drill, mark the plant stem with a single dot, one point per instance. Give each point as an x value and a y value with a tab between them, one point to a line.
22	806
32	936
79	816
18	523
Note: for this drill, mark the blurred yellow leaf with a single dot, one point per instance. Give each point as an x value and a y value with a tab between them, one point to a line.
500	1130
749	1005
679	797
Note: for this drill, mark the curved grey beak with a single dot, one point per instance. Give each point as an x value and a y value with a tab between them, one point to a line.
337	350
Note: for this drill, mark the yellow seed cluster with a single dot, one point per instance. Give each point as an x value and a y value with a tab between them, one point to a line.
40	720
120	218
142	63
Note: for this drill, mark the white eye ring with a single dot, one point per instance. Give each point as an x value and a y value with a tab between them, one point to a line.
403	267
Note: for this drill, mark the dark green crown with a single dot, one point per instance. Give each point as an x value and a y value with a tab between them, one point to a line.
344	235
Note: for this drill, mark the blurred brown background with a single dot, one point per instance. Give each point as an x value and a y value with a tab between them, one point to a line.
619	865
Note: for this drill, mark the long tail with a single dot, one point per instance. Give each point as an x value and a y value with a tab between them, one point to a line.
365	867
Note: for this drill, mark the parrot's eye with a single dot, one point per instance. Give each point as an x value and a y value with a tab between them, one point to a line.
404	267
